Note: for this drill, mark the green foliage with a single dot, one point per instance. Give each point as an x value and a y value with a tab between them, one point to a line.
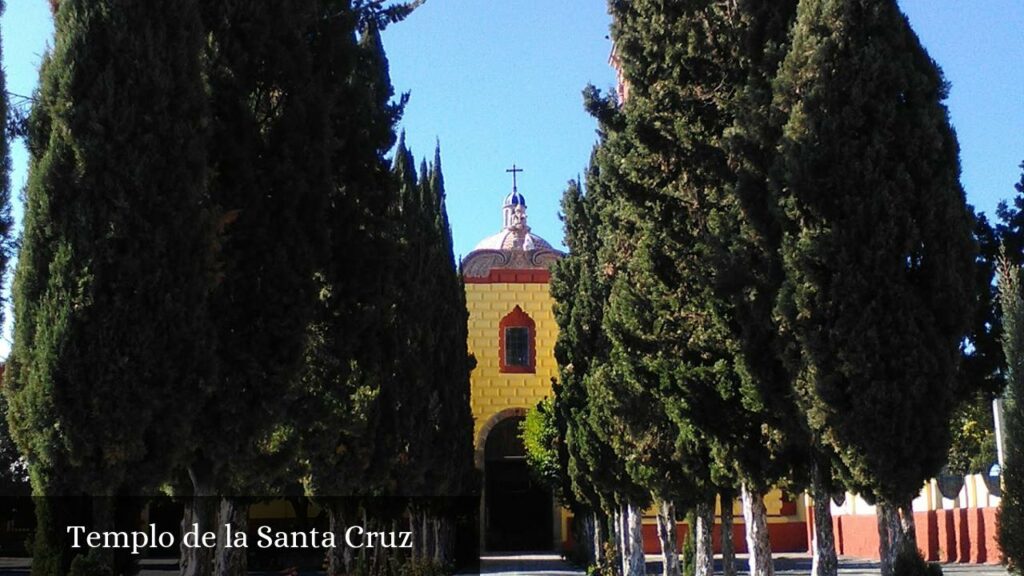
110	332
8	115
1011	507
346	363
1010	230
393	566
694	265
910	563
877	243
688	555
539	431
973	446
270	184
89	565
430	392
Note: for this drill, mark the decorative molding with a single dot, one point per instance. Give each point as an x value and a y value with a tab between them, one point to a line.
478	265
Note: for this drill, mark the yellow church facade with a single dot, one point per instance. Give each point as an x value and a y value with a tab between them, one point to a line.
512	334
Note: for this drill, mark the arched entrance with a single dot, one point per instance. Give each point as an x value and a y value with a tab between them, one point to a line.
518	511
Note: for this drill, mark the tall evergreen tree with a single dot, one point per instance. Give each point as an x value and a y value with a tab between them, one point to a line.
1010	228
8	115
430	389
269	182
579	286
1011	507
345	443
877	247
661	438
452	475
13	476
697	148
111	338
973	447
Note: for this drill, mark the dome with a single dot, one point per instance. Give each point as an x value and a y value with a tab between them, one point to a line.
515	199
509	239
515	247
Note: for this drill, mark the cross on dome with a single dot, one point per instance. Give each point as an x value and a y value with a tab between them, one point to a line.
515	233
515	198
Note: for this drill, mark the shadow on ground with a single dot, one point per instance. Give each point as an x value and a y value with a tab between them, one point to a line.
547	564
785	564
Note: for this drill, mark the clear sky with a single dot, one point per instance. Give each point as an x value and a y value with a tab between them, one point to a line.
499	83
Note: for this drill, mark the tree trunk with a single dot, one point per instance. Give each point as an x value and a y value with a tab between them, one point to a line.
339	557
583	532
231	559
445	541
908	526
442	540
599	538
886	548
622	533
726	498
429	546
416	552
896	534
201	512
823	547
667	533
614	541
704	558
756	523
637	562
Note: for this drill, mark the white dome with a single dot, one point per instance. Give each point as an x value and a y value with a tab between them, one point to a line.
510	239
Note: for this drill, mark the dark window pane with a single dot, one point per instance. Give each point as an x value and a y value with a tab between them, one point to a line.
517	346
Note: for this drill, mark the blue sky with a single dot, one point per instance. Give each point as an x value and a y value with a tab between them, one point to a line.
499	83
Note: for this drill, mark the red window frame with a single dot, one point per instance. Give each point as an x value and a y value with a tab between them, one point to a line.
517	318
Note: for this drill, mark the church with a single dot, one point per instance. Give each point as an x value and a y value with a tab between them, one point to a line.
512	333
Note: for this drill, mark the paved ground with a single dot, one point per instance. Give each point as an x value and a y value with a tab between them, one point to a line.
785	564
553	565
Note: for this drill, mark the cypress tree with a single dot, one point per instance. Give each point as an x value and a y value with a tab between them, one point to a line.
1010	228
697	148
877	249
10	116
431	381
658	435
453	474
349	361
588	397
415	284
269	183
576	311
13	477
1011	507
110	338
973	446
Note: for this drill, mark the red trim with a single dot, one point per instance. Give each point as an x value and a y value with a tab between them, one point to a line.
512	276
517	319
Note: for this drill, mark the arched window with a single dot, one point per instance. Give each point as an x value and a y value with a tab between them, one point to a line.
516	335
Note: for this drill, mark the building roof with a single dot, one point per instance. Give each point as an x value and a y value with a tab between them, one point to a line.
514	247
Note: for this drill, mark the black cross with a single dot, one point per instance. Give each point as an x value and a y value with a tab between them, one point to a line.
514	171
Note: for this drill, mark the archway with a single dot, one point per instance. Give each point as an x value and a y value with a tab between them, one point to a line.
517	509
